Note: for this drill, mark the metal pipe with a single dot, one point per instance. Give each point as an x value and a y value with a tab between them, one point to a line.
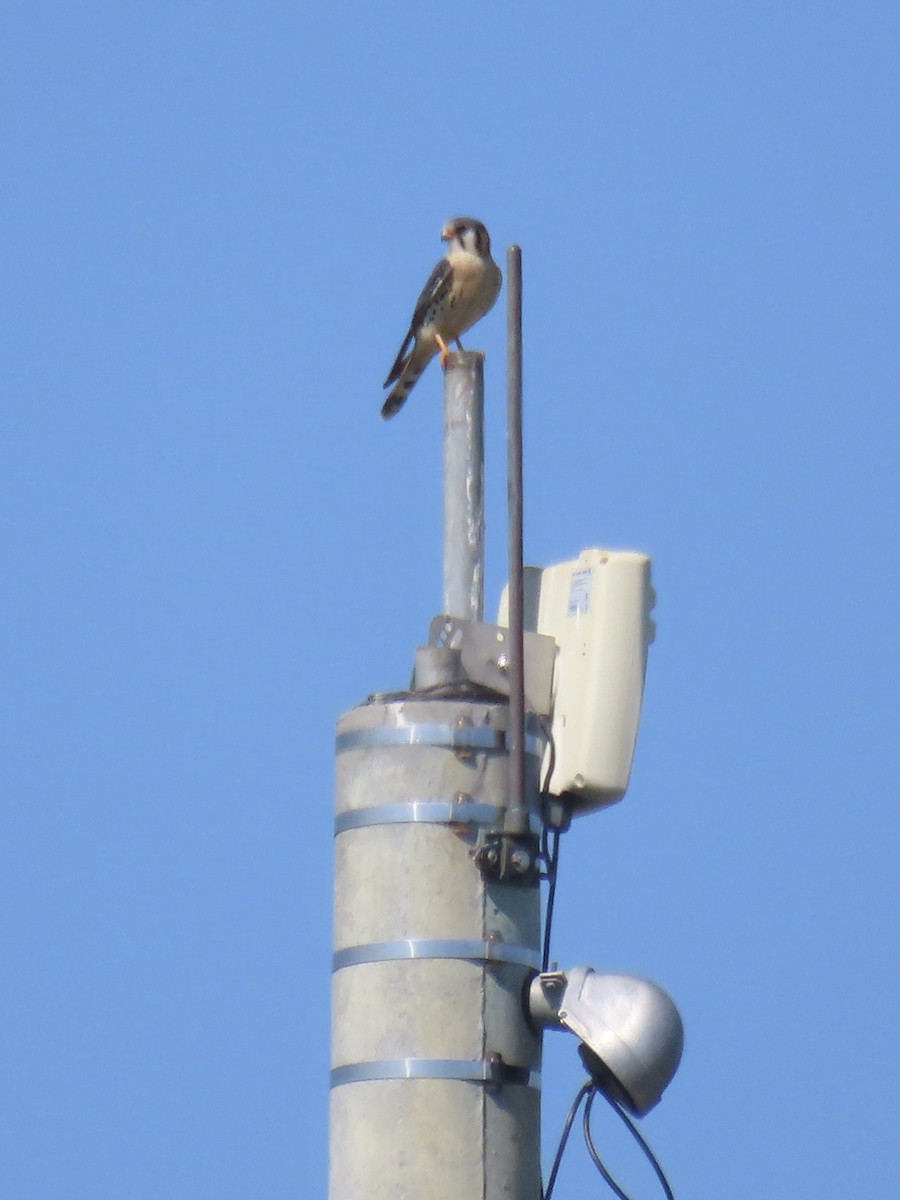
464	485
516	816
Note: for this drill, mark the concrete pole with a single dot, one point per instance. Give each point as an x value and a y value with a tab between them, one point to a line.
464	485
434	1082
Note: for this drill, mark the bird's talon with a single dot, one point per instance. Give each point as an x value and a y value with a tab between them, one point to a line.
445	352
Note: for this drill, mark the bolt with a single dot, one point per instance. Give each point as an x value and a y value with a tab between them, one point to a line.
502	662
520	860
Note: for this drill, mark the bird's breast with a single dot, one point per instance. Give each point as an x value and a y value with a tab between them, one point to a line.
475	287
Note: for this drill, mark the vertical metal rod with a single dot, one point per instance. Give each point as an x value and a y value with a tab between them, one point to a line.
464	485
516	815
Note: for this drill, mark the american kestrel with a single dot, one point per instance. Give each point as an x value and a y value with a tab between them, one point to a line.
460	290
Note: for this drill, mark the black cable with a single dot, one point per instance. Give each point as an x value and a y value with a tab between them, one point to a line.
592	1150
547	729
550	856
564	1136
552	864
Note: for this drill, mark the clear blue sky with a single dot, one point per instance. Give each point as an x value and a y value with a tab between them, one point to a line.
215	221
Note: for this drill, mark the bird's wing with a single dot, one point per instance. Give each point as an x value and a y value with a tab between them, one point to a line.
435	289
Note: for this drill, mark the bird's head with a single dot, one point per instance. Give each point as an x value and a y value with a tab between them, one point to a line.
465	233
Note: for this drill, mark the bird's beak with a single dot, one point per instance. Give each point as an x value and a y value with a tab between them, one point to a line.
447	232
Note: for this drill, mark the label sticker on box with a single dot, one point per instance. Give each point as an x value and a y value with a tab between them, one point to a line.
579	592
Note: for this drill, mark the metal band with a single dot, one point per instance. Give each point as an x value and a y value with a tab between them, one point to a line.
428	812
468	737
475	1071
484	950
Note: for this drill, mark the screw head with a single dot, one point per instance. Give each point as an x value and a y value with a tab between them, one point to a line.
520	860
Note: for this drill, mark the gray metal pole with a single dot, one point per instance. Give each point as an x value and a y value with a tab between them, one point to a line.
464	485
516	818
434	1082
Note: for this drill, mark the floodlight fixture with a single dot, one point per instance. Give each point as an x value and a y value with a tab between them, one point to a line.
631	1034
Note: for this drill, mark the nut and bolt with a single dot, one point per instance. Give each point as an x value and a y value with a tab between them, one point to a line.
520	860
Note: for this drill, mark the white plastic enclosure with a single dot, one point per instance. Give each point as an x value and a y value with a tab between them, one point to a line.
597	607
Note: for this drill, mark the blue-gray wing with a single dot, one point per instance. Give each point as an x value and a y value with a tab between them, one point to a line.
432	293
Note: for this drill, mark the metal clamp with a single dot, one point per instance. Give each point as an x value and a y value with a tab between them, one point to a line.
488	950
466	737
506	858
429	812
492	1071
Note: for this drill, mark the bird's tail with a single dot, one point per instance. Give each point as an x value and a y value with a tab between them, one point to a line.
404	385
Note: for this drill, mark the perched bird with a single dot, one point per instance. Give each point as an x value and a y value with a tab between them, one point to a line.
460	290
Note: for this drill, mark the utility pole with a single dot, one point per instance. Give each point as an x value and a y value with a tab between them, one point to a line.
438	996
435	1069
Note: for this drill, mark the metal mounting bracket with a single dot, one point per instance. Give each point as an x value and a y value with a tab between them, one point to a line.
484	657
508	858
